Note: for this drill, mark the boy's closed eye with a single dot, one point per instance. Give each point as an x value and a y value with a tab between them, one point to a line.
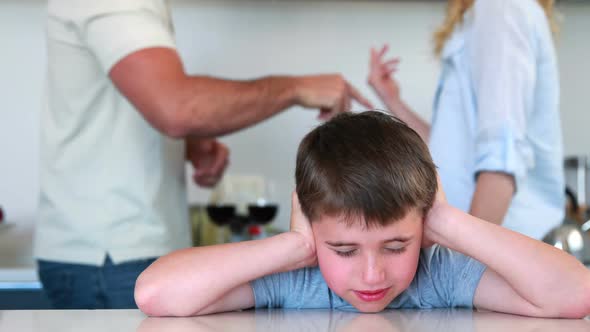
391	246
352	252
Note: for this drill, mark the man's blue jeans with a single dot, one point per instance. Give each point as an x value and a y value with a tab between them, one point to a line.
78	286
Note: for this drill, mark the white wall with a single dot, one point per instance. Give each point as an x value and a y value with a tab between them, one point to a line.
22	68
245	39
573	48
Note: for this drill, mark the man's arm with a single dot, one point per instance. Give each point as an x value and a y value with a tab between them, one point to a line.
492	197
524	276
202	280
154	81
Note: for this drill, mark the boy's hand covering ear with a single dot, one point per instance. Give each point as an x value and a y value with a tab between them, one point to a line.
301	225
439	200
440	193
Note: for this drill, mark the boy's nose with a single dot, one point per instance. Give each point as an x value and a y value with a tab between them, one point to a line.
374	272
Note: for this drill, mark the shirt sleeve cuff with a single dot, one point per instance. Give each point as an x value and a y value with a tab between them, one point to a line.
503	151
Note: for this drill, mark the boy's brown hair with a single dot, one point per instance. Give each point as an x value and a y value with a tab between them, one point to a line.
368	164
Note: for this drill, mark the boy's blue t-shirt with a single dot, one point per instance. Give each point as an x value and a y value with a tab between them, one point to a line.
444	279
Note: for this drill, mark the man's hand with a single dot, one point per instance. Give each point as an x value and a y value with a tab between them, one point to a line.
209	158
332	94
301	226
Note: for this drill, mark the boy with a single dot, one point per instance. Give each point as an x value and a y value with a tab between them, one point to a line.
367	212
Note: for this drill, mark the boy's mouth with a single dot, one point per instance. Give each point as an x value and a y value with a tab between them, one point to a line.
372	295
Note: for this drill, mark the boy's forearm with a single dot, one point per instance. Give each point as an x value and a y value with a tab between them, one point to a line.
533	269
195	278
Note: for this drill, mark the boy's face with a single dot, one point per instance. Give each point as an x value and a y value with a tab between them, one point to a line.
368	267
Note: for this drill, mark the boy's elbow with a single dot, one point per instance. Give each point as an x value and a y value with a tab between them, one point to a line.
583	309
151	301
580	305
575	312
146	297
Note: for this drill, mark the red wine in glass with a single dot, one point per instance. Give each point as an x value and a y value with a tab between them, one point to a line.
262	214
221	215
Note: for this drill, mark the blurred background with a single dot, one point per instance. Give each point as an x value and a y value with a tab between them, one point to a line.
248	39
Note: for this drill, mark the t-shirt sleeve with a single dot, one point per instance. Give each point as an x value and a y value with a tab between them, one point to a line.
269	291
298	289
113	35
447	278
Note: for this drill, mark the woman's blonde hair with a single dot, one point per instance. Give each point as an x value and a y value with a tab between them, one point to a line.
456	9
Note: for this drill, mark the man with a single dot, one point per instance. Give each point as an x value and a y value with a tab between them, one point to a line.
121	117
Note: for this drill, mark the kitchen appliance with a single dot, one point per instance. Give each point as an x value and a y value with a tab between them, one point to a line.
571	239
577	185
572	236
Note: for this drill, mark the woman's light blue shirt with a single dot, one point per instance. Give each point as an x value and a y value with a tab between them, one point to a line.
497	109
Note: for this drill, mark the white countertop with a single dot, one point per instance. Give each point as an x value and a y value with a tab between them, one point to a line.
283	320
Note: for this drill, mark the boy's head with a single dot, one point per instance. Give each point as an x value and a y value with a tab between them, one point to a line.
365	181
368	165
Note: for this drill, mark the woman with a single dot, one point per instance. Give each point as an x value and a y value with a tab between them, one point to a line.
495	133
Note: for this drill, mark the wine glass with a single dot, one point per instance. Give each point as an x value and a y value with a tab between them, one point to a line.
262	210
222	208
